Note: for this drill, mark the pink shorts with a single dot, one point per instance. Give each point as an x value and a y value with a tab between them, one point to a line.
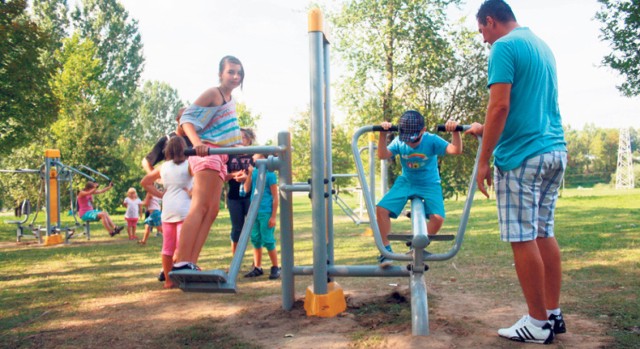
216	162
170	236
131	222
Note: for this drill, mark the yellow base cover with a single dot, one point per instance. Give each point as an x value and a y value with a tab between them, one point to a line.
325	305
53	239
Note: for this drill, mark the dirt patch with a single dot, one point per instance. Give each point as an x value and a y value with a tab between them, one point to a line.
374	319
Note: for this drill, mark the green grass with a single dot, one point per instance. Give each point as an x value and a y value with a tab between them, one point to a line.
598	231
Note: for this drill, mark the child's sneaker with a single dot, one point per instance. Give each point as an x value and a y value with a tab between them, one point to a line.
275	273
161	276
557	322
254	273
384	262
525	331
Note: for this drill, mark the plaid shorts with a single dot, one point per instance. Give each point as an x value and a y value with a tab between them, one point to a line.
527	196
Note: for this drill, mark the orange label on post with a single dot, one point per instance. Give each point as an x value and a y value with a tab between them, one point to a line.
53	195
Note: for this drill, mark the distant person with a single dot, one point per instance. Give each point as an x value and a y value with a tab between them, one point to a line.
238	200
88	214
263	231
176	176
153	218
210	122
134	207
523	131
418	151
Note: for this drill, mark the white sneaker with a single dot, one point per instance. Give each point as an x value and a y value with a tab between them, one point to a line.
525	331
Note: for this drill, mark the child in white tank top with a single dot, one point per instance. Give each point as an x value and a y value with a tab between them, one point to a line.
177	180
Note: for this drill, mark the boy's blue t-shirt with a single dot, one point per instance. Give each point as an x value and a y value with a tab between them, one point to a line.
534	125
420	164
266	204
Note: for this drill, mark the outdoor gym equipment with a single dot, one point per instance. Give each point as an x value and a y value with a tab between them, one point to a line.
325	298
358	218
219	281
52	173
25	210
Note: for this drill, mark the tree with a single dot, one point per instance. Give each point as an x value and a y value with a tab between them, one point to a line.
26	101
301	143
52	17
246	118
621	28
158	104
86	131
118	42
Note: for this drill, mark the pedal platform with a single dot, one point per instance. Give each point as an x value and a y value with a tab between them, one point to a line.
409	237
209	281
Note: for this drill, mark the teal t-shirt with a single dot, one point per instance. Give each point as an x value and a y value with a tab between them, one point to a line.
420	164
534	125
266	204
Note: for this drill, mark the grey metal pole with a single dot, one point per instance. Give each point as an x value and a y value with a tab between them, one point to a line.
47	191
419	303
372	171
236	261
318	186
384	180
328	153
286	222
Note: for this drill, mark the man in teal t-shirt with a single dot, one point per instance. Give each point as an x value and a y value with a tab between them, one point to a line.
523	131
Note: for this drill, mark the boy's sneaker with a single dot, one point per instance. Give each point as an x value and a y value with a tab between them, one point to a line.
161	276
525	331
557	322
275	273
188	266
384	262
254	273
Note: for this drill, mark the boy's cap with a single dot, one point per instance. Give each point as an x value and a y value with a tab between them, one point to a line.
410	125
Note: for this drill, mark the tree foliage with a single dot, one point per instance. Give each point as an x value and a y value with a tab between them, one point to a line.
157	104
246	118
592	155
26	102
118	42
621	28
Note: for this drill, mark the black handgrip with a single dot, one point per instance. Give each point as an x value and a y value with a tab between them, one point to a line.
380	129
459	128
189	152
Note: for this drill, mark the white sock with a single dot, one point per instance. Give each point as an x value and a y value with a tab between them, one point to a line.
538	323
554	312
180	264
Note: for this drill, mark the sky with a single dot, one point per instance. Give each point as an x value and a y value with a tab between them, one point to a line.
184	41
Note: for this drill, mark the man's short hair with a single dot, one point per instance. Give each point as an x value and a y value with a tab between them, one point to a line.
499	10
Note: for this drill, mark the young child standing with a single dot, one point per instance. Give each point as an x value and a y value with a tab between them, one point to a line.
178	181
134	207
154	217
262	233
418	152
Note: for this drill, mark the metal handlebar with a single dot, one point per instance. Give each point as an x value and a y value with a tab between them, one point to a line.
459	128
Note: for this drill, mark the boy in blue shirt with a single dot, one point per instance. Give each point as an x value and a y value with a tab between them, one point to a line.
262	233
418	152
